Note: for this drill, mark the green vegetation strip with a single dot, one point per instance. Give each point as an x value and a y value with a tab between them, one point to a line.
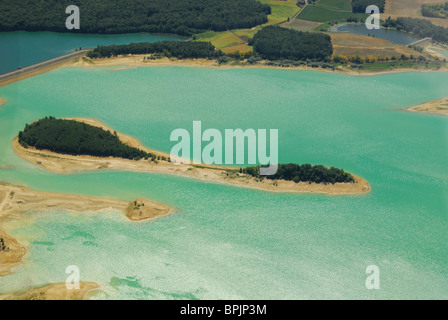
177	49
304	173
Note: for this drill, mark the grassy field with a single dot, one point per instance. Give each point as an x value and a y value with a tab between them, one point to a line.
321	14
236	40
281	10
303	25
348	44
341	5
312	18
227	41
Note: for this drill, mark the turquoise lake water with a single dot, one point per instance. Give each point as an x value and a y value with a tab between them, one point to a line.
227	242
23	49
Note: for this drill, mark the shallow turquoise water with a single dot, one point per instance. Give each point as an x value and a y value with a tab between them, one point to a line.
230	242
23	48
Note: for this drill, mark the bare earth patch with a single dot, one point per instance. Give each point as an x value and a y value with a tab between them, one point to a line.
56	291
348	44
301	25
12	255
144	209
411	9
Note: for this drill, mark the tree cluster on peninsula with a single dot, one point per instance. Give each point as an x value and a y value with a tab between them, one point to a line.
303	173
77	138
176	49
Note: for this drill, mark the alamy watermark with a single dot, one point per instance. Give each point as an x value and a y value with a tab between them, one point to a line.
373	280
212	152
373	21
73	21
72	281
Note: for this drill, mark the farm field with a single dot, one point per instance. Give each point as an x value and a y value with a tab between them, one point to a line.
318	13
281	10
351	44
236	40
344	5
411	8
301	25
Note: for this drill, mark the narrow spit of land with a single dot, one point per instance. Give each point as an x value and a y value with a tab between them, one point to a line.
439	107
65	163
40	68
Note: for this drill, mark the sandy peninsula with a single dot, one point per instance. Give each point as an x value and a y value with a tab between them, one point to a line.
138	60
11	255
61	163
144	209
439	107
16	200
2	101
56	291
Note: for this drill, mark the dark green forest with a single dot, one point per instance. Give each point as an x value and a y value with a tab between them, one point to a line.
183	17
304	173
76	138
419	27
359	6
177	49
275	43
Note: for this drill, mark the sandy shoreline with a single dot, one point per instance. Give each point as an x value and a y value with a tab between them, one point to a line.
12	255
16	200
439	107
60	163
133	61
55	291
